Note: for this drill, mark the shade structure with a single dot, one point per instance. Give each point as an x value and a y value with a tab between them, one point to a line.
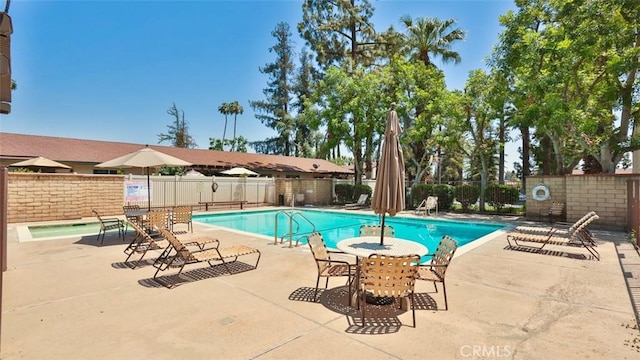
240	171
144	158
40	162
388	195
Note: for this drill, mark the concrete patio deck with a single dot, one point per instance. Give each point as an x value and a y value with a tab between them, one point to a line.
73	299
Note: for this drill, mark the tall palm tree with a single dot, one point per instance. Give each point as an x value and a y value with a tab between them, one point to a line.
236	109
224	109
426	37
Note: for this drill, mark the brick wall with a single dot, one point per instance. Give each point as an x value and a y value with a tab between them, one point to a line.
44	197
605	194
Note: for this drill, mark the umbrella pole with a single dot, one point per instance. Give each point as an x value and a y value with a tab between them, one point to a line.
382	231
148	190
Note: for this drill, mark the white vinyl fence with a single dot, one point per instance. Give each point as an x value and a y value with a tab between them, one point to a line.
169	191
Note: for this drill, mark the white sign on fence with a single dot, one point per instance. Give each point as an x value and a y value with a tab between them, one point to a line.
137	191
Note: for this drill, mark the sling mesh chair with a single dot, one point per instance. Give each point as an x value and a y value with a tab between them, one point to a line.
389	277
328	266
435	270
107	224
142	243
179	255
374	230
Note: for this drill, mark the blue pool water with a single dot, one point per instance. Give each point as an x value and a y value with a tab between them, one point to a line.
335	226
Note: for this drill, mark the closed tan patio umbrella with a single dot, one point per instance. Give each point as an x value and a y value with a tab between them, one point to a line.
388	196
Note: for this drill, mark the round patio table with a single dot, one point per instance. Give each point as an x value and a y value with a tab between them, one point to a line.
363	246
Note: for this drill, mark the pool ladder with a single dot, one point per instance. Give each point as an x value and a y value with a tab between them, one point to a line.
293	216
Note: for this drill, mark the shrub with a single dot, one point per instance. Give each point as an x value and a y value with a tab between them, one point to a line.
467	195
359	190
444	192
418	193
348	193
498	195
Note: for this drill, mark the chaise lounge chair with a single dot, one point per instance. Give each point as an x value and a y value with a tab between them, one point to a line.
142	243
362	202
179	255
561	228
580	237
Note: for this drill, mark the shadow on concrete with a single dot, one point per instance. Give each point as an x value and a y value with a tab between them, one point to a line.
550	252
188	276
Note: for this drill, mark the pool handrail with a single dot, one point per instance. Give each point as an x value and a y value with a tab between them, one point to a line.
291	215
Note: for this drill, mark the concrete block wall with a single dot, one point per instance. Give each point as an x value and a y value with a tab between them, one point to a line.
605	194
47	197
315	191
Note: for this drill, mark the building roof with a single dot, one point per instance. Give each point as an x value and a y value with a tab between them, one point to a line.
22	146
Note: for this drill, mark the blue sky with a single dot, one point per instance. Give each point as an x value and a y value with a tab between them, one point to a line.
109	70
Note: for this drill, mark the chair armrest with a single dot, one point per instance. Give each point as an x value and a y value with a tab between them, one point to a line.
336	261
433	265
341	253
112	220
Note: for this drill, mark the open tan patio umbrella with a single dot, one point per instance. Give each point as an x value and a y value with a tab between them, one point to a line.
239	171
40	162
144	158
388	195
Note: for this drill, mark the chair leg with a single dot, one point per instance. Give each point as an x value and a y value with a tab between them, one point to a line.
413	308
362	298
444	292
315	293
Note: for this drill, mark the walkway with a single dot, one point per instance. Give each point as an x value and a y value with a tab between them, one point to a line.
74	299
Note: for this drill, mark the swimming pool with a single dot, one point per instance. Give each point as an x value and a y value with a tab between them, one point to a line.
336	226
53	231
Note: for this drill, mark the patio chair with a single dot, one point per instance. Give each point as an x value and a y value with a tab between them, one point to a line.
375	230
361	203
435	270
388	276
328	266
182	215
428	204
130	218
580	237
179	255
157	220
554	211
142	243
107	224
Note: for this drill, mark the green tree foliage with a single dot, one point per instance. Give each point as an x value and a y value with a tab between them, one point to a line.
235	109
224	109
572	68
178	131
275	110
353	110
337	30
480	115
431	37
